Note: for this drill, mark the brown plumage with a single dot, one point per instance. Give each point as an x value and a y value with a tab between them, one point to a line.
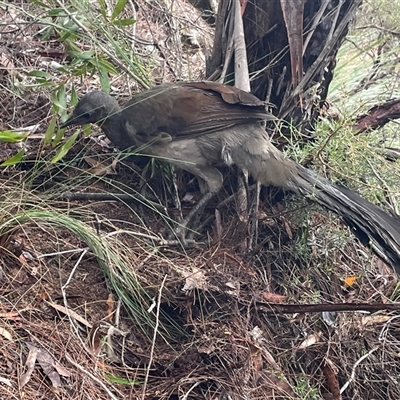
199	126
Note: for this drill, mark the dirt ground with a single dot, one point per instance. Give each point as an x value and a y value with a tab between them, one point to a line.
103	310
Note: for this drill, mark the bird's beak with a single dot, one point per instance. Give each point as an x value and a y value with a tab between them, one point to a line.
68	122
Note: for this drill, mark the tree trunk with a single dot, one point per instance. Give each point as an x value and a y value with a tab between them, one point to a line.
294	74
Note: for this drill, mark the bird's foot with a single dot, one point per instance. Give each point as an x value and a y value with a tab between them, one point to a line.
179	235
183	230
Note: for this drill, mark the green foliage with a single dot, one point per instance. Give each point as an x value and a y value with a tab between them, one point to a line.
122	381
356	160
48	136
97	45
366	75
12	136
20	209
15	159
304	390
63	150
368	69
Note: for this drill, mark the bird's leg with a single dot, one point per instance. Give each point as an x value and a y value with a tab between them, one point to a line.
182	228
243	200
255	204
194	223
243	195
210	182
177	200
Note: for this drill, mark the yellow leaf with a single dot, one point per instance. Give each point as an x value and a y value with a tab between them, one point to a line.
349	281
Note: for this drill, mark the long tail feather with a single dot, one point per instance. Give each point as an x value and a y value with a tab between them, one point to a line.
373	226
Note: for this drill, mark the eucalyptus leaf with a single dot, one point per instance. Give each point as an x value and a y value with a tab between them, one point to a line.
12	136
81	55
50	131
119	7
65	148
39	3
15	159
124	22
56	12
107	66
59	135
74	97
121	380
59	98
104	80
40	74
103	8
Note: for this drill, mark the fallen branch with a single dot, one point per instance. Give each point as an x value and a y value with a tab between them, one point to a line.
312	308
379	115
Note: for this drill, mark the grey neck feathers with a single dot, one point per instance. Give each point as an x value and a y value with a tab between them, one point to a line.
112	124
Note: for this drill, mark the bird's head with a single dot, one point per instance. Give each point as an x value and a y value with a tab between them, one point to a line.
94	107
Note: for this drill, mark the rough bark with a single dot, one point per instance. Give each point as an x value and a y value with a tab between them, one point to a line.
379	115
325	25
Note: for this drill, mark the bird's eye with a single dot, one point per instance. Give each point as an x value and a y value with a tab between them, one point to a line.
86	115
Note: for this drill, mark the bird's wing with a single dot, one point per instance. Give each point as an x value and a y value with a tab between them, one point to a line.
186	110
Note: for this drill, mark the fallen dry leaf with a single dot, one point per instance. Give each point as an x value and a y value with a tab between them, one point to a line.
273	297
310	340
71	313
270	359
276	383
5	381
7	64
95	338
287	228
257	365
110	307
330	372
61	369
374	319
50	367
349	281
235	286
329	317
206	349
10	315
99	169
257	334
4	332
30	364
194	280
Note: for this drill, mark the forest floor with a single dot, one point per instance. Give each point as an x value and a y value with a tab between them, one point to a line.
229	323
